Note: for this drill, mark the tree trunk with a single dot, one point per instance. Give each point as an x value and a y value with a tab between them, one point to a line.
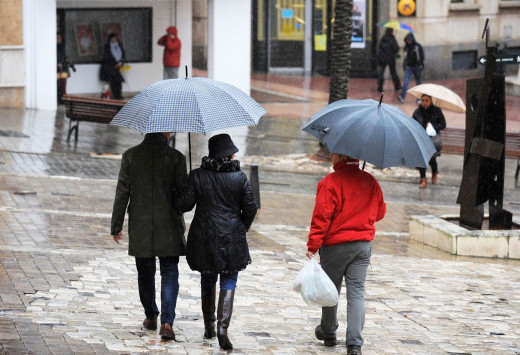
340	57
341	53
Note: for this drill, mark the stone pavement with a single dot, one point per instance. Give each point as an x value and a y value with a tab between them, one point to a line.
66	287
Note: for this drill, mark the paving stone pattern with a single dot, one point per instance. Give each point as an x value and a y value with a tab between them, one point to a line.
67	288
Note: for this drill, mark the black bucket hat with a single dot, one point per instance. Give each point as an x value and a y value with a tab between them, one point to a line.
221	146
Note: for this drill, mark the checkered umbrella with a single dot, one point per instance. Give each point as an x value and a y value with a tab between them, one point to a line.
198	105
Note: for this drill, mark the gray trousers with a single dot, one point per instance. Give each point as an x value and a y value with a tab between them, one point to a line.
350	261
170	73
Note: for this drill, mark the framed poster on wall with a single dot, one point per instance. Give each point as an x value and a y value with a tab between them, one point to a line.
85	32
85	41
112	27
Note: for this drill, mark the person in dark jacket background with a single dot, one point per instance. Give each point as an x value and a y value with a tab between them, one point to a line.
113	59
150	172
63	68
348	203
386	52
413	63
217	243
171	54
426	113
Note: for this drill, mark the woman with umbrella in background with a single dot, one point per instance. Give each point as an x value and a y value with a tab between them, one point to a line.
428	113
217	242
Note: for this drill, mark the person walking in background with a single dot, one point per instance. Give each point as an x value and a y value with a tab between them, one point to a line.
149	174
217	244
426	113
113	59
413	63
386	53
348	203
63	68
172	53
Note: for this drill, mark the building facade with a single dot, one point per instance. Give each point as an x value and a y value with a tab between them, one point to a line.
28	60
449	30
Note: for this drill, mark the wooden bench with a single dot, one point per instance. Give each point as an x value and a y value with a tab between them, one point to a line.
80	108
453	142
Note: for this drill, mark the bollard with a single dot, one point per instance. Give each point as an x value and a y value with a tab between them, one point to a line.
255	183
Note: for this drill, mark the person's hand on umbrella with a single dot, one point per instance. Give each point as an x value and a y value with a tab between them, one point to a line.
118	237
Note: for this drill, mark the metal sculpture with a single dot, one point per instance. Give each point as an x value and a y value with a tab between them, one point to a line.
484	148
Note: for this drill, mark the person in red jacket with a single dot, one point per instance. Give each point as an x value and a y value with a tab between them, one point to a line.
348	203
172	53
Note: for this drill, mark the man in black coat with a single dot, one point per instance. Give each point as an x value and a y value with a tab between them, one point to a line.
413	63
150	172
386	53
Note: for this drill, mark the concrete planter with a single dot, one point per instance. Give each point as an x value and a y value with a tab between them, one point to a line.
441	233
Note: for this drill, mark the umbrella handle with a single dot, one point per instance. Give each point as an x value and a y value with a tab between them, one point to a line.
364	163
381	99
189	140
186	71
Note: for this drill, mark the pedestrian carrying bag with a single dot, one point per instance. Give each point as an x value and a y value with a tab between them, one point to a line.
316	288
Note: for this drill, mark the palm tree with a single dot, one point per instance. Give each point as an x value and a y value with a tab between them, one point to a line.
340	56
341	53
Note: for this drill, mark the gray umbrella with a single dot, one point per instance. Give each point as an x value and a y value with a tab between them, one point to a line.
377	133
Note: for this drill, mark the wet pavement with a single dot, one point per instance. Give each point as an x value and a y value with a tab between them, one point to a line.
66	287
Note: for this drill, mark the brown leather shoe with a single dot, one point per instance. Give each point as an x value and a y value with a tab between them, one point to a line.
423	183
434	177
166	332
150	324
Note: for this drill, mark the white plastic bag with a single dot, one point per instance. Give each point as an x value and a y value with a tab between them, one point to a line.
297	283
430	130
316	287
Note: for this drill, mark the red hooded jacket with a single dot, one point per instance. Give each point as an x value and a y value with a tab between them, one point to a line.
172	48
348	203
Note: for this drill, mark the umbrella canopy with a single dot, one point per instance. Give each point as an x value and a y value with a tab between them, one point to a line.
197	105
396	25
377	133
441	96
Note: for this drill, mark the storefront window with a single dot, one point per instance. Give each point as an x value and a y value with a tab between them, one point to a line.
85	32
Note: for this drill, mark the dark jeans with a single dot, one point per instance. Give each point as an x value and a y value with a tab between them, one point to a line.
169	286
433	164
416	71
227	281
116	87
381	76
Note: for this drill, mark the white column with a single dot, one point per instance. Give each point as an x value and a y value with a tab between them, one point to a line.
39	23
229	42
183	22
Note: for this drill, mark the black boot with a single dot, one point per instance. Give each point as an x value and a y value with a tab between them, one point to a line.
224	311
208	311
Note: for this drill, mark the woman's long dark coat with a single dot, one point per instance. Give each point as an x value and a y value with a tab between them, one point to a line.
225	210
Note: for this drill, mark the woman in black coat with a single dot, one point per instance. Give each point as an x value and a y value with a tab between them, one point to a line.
429	113
113	59
217	242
